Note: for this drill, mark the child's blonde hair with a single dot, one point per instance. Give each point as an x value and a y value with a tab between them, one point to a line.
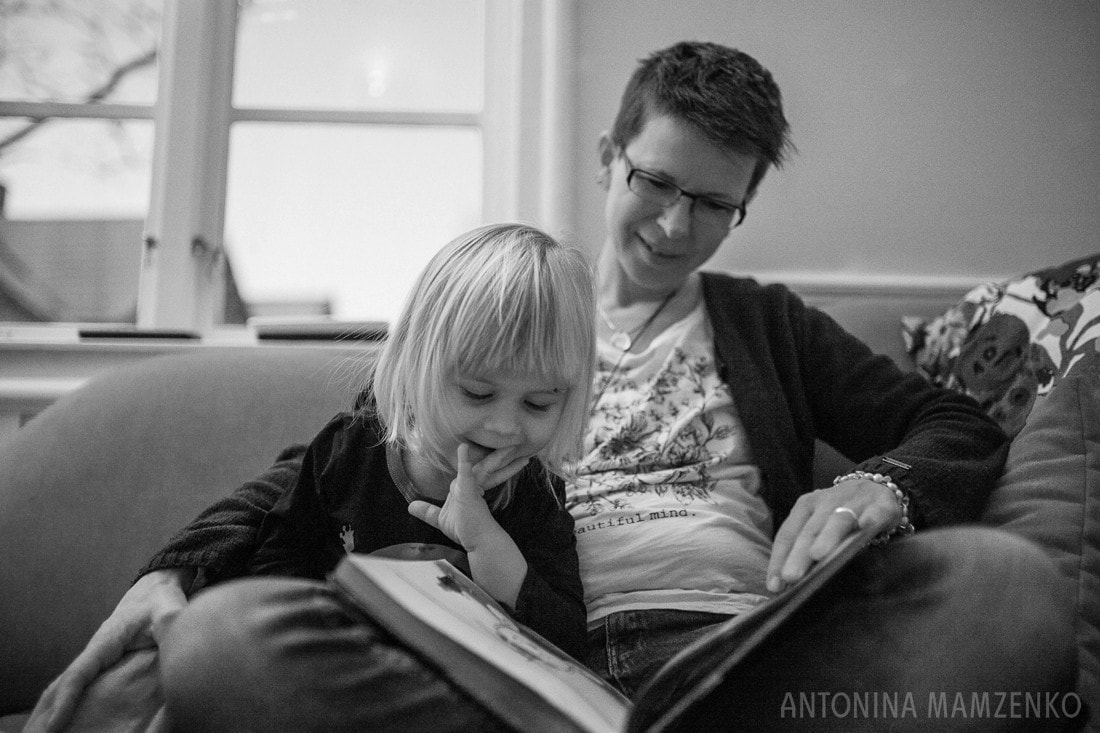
503	297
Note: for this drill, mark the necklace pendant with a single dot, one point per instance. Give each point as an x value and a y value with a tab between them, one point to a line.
621	341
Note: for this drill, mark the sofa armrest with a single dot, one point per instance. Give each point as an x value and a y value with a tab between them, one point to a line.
97	482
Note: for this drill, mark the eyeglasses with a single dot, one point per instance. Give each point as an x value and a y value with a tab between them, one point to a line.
709	212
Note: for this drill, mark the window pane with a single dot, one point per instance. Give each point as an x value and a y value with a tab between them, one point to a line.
77	169
70	270
75	197
409	55
344	215
79	51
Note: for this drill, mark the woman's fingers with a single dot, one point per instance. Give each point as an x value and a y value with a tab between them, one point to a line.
820	520
818	523
840	523
134	624
784	543
105	648
821	532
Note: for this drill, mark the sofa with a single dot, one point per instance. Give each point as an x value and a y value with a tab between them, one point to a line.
91	486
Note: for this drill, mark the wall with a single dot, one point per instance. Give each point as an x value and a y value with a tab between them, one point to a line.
940	142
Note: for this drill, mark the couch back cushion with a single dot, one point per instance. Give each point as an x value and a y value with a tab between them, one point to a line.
1007	344
1050	493
92	486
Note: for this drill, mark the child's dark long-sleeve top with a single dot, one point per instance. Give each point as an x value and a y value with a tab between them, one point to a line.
345	499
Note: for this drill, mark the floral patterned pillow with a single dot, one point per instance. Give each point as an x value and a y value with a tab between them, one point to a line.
1007	344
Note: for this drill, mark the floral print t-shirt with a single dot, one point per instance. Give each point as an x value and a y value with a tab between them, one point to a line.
666	499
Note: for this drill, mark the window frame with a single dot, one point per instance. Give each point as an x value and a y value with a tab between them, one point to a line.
524	124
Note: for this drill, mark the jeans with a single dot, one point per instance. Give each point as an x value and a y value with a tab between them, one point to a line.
943	613
629	646
281	654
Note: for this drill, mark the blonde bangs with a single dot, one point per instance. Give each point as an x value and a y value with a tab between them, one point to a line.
524	332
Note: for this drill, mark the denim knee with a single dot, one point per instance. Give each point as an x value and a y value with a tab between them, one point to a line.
214	654
1015	605
287	654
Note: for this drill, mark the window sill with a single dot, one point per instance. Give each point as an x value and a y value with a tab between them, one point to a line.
37	371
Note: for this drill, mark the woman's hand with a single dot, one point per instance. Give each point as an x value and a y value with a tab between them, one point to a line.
496	564
136	623
821	519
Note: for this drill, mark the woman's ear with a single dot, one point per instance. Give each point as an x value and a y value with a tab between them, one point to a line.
606	151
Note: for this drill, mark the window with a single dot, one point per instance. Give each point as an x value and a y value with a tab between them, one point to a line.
371	109
78	82
277	156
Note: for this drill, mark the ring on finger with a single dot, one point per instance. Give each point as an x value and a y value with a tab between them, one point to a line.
847	510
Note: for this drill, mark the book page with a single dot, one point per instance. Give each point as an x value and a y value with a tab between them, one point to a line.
442	597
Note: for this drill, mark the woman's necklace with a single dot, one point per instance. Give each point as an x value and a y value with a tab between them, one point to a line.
623	340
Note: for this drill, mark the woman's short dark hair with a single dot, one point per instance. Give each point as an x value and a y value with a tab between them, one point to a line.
725	93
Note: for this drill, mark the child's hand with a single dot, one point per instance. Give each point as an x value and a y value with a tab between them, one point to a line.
496	564
497	467
464	516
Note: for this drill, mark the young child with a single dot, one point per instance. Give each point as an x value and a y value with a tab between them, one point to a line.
456	449
478	398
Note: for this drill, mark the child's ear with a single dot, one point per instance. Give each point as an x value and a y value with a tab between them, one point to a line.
606	151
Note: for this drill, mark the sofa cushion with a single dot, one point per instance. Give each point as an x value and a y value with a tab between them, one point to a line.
1007	344
1050	493
93	485
1028	349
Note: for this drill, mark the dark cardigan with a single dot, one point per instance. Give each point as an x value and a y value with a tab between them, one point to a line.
796	375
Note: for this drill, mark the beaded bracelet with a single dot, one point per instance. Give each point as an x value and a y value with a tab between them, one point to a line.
904	526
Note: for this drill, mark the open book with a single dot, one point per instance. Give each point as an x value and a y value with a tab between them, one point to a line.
527	681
